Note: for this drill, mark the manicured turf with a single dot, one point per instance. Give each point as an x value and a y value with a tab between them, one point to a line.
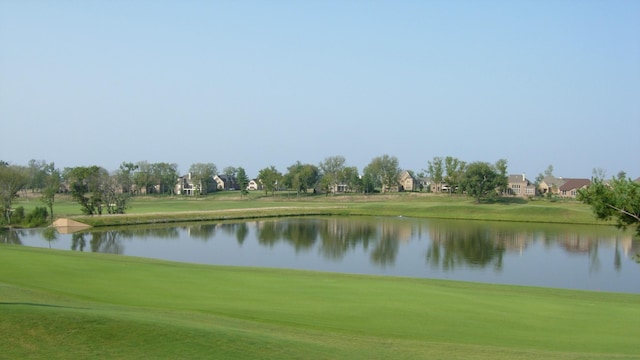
56	304
229	205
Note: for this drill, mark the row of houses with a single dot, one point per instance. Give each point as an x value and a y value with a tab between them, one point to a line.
518	185
188	185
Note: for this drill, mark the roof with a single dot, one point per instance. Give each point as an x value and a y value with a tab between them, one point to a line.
551	180
225	177
406	173
518	179
571	184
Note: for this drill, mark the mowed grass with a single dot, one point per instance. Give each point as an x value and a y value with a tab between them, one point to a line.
230	205
61	305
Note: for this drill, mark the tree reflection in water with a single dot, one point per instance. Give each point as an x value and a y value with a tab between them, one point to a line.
452	244
471	245
106	242
11	237
50	234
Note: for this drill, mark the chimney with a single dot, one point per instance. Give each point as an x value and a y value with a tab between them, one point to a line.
523	178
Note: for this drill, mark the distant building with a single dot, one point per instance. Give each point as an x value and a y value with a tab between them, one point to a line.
226	182
519	185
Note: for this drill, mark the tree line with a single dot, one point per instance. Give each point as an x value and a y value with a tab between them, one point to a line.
99	191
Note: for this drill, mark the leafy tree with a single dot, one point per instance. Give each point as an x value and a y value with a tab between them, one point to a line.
270	177
481	180
549	171
165	175
383	171
125	176
368	182
112	196
455	169
436	172
331	168
617	198
301	177
37	174
86	183
143	177
243	181
52	182
12	179
202	175
230	171
502	183
349	176
37	217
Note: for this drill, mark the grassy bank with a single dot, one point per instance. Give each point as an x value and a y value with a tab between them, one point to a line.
63	305
229	205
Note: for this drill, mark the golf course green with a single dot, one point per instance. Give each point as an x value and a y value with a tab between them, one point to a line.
63	304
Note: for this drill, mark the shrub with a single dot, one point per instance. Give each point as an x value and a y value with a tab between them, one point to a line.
37	217
17	216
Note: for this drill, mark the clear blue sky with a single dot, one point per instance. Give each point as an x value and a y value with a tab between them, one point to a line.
259	83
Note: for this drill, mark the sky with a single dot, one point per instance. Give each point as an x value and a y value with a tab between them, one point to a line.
258	83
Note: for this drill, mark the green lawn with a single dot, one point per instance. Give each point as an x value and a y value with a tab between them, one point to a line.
56	304
230	205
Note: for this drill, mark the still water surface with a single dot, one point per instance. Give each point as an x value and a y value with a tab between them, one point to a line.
597	258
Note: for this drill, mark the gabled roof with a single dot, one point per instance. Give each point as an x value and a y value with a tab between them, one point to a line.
407	174
571	184
518	179
225	177
551	180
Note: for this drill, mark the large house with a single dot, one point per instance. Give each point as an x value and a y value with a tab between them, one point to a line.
519	185
254	185
185	185
550	185
571	186
408	182
226	182
563	187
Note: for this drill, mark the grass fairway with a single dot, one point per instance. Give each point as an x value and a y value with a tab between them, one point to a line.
56	304
230	205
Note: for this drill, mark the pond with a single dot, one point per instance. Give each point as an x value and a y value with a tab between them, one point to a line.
596	258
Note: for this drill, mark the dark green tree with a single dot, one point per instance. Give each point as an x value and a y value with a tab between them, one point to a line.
86	187
481	180
12	179
52	182
502	183
301	177
243	180
617	198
